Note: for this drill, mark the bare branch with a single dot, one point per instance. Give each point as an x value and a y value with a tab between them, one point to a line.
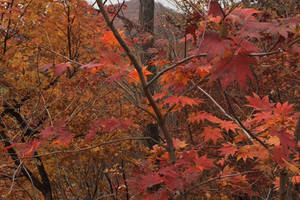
215	179
93	147
159	74
137	65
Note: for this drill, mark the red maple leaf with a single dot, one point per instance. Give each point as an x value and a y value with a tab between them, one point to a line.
241	15
243	46
247	151
233	68
172	100
280	155
213	45
286	140
228	150
263	116
284	109
201	116
228	125
189	101
203	163
27	149
212	134
171	178
158	96
64	138
178	144
261	104
184	100
48	132
149	180
113	123
253	29
92	132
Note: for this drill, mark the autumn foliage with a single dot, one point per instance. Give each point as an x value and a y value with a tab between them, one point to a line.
79	104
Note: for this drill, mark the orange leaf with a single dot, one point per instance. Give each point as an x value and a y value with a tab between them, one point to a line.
134	76
178	144
109	38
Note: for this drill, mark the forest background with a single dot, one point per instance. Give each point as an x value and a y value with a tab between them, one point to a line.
109	104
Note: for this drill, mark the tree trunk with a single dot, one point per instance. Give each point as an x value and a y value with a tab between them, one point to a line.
146	21
146	15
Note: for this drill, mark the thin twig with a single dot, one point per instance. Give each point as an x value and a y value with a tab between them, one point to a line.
93	147
173	66
14	178
241	124
224	112
214	179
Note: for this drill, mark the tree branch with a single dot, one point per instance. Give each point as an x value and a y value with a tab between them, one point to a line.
137	65
241	124
93	147
159	74
214	179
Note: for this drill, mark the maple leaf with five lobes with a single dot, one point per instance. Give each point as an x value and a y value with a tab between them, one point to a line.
201	116
228	150
247	151
233	68
183	100
212	134
214	46
228	125
261	104
284	109
203	163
